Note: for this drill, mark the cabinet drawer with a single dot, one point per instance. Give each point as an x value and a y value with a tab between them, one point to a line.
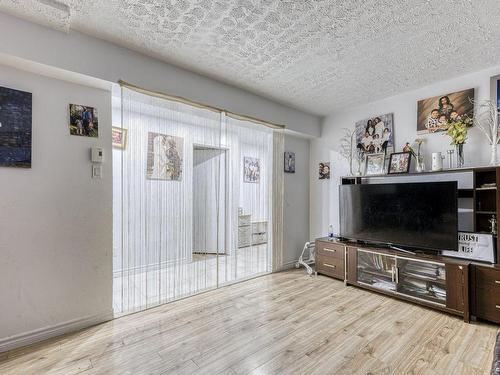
331	266
488	279
488	305
259	227
331	250
258	239
487	290
244	236
244	220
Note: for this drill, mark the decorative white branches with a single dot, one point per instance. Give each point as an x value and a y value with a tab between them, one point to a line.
487	120
347	142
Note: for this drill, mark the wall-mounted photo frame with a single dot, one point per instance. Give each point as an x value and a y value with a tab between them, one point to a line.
434	114
374	164
251	170
399	162
289	159
375	135
498	98
165	157
83	121
324	170
119	137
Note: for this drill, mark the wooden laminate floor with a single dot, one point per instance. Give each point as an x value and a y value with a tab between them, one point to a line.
285	323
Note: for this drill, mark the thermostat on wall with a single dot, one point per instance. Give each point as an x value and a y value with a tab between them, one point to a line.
97	155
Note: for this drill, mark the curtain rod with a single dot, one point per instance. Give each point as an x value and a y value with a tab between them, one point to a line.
193	103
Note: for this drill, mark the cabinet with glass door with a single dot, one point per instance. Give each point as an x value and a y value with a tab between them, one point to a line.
420	279
424	280
376	270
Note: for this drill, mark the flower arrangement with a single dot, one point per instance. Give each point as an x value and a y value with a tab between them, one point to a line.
457	130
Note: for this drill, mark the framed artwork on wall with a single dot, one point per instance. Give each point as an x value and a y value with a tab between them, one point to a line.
376	134
83	121
324	170
399	162
289	162
433	114
119	137
498	100
165	156
251	170
15	128
374	164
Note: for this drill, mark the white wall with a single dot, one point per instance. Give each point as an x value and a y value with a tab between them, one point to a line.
55	221
296	207
83	54
324	194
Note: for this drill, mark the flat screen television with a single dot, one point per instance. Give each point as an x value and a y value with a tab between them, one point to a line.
407	215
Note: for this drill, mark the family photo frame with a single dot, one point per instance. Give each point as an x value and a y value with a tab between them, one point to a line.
434	114
374	164
399	162
375	135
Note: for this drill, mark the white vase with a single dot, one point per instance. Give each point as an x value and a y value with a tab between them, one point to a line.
493	155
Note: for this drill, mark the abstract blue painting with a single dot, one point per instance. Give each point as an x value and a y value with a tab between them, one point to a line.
15	128
498	97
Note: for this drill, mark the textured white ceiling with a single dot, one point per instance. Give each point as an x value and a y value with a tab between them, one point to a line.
318	56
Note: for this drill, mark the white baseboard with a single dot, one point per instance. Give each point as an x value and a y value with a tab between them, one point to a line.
45	333
288	265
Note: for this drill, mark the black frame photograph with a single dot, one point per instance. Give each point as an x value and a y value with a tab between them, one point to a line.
397	163
289	161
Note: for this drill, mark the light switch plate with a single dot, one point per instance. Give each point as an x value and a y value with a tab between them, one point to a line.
96	171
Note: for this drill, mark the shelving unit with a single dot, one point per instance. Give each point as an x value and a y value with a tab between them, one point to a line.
479	201
485	200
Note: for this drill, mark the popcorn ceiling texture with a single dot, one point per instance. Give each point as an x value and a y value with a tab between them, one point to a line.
319	56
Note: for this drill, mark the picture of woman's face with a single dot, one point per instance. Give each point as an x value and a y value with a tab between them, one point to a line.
444	100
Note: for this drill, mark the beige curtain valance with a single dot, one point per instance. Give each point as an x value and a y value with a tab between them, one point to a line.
180	99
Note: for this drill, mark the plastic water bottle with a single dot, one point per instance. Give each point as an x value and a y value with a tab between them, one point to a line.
330	231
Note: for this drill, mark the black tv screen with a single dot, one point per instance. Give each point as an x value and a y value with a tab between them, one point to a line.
409	215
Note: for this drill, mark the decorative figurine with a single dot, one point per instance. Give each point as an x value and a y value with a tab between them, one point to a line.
407	147
493	223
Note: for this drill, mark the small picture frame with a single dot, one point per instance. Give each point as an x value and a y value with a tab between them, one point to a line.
399	162
83	121
289	162
374	164
119	137
324	170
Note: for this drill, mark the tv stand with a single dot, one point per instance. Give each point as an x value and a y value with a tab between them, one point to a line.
402	250
479	194
429	280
